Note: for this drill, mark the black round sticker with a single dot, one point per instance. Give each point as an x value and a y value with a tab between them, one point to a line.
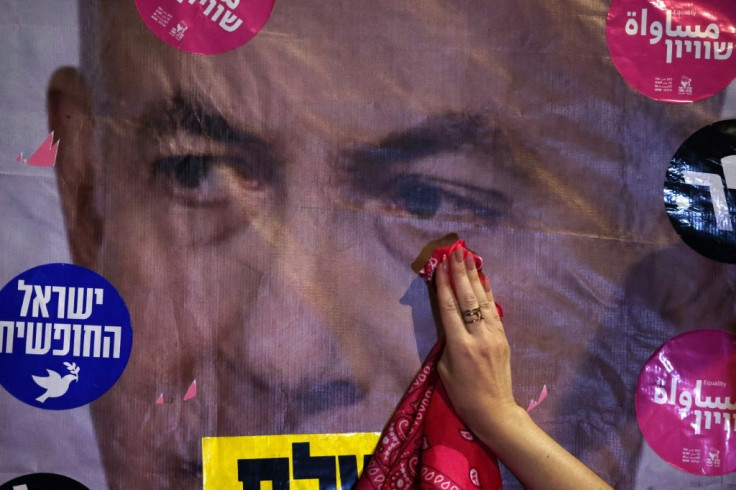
700	191
42	481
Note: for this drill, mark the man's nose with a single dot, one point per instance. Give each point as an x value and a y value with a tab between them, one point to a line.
297	330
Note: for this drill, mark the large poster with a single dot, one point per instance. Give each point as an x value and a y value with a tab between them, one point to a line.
263	213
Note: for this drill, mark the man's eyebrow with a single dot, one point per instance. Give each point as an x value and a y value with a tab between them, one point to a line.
181	113
452	132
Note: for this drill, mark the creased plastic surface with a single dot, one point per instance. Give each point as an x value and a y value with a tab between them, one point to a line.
700	192
293	303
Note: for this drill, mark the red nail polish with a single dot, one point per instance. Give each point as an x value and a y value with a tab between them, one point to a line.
469	263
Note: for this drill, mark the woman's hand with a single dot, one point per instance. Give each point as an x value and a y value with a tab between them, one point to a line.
475	366
476	373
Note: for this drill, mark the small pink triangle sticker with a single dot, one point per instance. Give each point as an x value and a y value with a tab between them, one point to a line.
160	399
45	155
535	403
192	391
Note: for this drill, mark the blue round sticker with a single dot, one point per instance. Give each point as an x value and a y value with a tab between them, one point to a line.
65	336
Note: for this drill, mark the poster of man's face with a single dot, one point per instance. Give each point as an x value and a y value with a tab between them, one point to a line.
263	212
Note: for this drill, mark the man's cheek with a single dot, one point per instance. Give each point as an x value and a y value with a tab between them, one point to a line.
212	293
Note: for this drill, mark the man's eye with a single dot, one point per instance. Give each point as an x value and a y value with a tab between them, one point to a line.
417	198
426	197
198	180
189	171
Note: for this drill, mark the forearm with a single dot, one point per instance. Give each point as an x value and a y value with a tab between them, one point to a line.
476	373
533	456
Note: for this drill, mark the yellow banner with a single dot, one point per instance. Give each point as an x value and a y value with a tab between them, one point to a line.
295	462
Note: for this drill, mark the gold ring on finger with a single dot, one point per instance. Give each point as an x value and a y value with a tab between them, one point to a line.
472	316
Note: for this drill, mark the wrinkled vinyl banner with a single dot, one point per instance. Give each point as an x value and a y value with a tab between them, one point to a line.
262	213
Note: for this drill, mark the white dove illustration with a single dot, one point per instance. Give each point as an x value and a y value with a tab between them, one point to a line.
54	384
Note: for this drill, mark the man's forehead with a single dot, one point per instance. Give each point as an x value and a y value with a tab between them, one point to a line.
305	17
315	61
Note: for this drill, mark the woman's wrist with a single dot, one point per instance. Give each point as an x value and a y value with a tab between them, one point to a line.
519	442
501	425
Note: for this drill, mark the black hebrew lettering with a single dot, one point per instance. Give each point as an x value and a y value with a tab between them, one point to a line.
306	467
251	472
348	471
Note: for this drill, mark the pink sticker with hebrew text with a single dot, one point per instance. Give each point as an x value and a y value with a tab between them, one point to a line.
686	402
673	50
205	26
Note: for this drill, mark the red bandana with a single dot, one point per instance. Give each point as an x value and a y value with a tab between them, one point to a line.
425	445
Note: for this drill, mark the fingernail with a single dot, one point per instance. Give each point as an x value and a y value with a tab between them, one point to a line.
458	255
443	264
469	263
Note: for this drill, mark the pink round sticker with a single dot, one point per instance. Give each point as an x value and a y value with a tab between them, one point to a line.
686	402
205	26
673	50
